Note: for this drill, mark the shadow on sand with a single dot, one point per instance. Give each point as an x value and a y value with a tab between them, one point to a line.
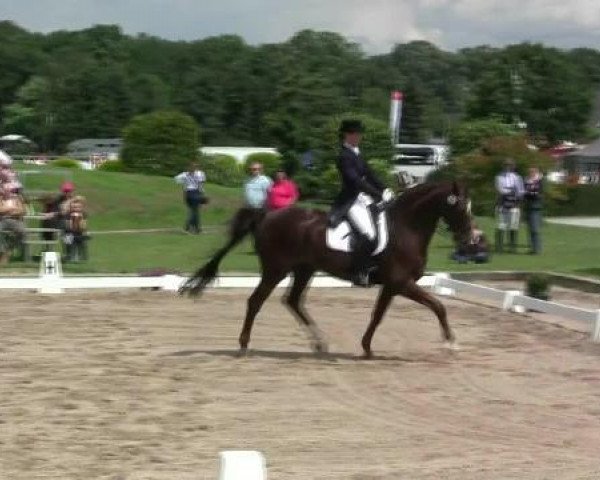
304	355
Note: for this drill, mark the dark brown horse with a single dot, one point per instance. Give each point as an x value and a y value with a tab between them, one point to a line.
292	240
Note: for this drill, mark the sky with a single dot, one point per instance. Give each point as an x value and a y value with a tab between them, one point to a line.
376	24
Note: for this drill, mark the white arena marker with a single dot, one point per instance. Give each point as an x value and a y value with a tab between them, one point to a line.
509	302
50	273
596	327
438	287
242	465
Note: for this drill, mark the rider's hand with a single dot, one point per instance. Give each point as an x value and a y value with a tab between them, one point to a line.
388	195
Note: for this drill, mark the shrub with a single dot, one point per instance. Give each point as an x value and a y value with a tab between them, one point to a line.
65	162
538	286
271	162
112	166
222	170
161	143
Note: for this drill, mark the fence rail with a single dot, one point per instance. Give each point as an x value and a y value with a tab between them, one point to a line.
515	301
51	280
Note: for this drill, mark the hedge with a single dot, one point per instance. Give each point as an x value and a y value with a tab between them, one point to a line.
222	170
582	200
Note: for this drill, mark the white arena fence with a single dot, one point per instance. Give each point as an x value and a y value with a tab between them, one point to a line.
51	280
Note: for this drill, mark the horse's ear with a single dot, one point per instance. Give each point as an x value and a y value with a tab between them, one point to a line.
455	188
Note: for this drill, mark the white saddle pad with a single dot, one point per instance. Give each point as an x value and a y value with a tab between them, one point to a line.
338	238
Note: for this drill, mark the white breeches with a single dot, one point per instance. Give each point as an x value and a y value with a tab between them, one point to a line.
360	216
508	218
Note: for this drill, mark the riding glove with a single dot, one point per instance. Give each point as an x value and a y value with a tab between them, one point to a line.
388	195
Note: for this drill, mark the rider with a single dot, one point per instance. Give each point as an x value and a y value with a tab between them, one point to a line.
358	178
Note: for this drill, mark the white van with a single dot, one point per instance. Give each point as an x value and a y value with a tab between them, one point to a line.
417	160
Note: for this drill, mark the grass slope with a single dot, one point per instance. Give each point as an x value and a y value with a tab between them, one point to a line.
120	201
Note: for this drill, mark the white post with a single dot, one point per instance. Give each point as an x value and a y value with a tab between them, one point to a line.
509	302
50	273
242	465
596	332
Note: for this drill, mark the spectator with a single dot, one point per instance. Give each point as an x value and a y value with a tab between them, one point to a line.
533	209
76	237
12	230
257	187
509	186
55	209
8	175
193	193
283	192
477	250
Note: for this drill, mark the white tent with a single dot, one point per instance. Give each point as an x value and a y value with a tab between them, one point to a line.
15	138
5	158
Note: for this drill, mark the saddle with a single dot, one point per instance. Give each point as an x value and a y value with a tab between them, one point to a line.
341	235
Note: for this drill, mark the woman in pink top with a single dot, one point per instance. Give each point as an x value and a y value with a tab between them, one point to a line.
283	193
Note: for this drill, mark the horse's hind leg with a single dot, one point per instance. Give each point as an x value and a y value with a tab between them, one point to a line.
414	292
383	302
295	302
267	283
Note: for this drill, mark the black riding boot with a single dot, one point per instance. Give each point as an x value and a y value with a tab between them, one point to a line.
499	245
361	261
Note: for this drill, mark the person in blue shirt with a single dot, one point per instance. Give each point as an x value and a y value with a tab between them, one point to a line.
257	187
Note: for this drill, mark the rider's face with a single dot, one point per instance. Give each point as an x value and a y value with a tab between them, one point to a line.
353	138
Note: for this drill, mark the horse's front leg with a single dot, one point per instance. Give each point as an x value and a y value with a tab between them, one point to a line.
383	302
414	292
294	300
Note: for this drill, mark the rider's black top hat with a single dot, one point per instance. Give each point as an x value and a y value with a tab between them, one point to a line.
351	126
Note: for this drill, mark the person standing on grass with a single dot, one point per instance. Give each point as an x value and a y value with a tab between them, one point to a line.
533	209
257	187
193	194
509	186
283	192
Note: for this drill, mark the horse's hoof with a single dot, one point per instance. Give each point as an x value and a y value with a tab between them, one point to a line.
242	352
367	356
451	346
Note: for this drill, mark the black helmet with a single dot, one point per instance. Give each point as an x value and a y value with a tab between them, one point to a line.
351	126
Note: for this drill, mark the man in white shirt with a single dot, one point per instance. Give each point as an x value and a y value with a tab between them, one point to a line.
193	193
257	187
509	186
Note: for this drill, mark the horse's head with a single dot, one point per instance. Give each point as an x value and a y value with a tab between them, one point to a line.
457	213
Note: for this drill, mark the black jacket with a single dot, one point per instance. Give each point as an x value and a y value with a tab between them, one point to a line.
533	193
356	177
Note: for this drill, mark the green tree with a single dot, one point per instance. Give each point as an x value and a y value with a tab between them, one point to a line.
413	116
478	169
540	86
468	136
162	143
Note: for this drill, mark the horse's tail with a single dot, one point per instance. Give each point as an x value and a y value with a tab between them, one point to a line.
244	222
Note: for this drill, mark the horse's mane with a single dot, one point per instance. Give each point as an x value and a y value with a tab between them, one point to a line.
413	196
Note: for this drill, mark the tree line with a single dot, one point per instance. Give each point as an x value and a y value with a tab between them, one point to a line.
66	85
